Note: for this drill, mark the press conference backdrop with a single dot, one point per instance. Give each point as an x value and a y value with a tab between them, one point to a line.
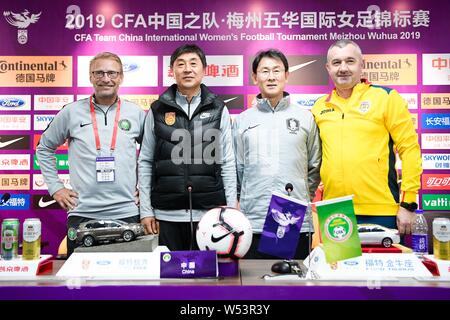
46	47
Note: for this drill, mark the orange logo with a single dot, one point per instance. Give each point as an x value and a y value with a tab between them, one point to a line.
170	118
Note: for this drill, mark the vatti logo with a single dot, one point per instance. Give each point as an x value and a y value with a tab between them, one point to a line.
22	21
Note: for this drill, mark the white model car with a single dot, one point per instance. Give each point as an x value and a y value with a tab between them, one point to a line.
375	234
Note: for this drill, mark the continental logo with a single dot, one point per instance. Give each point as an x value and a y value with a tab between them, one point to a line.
14	182
391	69
435	101
35	71
55	65
142	100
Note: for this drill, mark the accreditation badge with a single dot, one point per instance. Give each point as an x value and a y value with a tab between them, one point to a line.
105	167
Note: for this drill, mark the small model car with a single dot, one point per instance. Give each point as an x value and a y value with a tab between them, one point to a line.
375	234
95	231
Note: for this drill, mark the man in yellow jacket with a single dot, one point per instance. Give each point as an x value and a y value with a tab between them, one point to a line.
361	127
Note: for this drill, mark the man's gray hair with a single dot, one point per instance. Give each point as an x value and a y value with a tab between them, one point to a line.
342	44
106	56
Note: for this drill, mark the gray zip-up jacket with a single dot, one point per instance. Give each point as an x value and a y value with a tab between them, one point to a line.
96	200
275	146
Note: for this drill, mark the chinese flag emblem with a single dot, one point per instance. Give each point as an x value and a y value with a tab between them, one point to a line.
170	118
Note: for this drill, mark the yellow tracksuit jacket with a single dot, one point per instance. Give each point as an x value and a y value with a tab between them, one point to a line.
359	138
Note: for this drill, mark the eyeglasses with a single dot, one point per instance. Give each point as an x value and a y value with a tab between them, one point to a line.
264	74
98	74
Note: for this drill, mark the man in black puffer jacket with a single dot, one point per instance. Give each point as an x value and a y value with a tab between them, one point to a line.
187	145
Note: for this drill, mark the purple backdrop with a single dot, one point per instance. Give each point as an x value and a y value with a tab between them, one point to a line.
302	29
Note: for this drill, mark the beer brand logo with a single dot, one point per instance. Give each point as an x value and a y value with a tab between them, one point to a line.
338	227
170	118
21	21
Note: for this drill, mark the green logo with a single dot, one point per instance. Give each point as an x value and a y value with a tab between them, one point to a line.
166	257
125	125
72	234
435	201
338	227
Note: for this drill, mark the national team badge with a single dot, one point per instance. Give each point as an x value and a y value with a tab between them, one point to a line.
169	118
125	125
364	106
293	125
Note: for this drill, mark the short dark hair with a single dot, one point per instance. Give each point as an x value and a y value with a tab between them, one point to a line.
271	53
188	48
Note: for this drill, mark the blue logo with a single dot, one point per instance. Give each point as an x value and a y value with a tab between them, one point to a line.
440	121
12	102
103	262
351	263
130	67
16	202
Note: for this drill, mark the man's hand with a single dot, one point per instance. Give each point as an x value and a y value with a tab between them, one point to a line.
66	198
405	219
151	226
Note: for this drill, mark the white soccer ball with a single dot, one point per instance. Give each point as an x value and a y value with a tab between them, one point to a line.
225	230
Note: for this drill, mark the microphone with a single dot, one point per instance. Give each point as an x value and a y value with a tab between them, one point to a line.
4	199
289	187
189	189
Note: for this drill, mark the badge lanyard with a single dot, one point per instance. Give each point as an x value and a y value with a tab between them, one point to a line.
94	125
105	166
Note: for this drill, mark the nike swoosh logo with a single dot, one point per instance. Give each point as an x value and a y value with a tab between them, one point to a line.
7	143
214	239
44	204
299	66
228	100
84	124
252	127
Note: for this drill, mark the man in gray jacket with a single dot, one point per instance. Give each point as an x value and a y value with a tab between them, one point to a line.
102	132
276	143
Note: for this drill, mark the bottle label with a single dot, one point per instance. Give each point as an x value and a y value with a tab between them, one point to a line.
420	243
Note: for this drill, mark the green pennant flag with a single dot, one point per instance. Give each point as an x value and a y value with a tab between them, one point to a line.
338	228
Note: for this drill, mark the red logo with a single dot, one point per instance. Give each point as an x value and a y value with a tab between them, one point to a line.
436	181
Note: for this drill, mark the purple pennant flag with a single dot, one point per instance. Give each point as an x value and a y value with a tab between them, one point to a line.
282	226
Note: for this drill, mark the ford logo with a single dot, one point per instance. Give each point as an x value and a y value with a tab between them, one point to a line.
11	102
351	263
103	262
129	67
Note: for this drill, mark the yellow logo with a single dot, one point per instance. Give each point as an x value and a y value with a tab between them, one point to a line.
170	118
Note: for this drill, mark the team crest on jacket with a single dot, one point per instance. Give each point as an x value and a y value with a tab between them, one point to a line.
125	124
364	106
169	118
293	125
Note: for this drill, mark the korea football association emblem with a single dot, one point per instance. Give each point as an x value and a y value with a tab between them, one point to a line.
293	125
169	118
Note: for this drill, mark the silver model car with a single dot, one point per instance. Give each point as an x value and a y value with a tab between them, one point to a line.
378	235
95	231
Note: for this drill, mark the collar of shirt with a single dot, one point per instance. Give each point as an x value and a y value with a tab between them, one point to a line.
182	101
263	104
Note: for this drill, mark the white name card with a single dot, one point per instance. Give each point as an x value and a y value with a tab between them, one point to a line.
113	265
367	266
